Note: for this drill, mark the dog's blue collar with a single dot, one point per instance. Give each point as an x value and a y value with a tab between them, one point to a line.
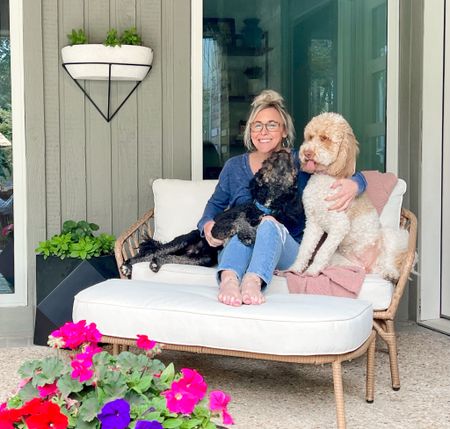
264	209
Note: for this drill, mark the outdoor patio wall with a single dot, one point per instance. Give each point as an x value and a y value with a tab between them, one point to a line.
78	165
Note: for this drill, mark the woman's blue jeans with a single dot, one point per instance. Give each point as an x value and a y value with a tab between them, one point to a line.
274	248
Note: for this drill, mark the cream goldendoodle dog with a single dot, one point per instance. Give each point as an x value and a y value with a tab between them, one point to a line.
354	236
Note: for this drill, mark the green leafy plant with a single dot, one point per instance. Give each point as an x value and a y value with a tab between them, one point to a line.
112	38
77	37
130	37
90	388
77	240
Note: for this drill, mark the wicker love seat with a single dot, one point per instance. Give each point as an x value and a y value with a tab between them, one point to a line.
178	305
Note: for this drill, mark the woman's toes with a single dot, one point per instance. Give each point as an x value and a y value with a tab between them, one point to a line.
251	290
229	292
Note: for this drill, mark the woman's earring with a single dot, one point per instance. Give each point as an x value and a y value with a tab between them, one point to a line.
285	143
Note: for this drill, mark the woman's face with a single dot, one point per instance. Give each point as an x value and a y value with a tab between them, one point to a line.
267	131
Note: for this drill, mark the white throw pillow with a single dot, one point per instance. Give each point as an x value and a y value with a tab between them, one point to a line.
179	205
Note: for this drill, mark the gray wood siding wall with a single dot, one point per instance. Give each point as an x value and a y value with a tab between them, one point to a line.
78	165
97	170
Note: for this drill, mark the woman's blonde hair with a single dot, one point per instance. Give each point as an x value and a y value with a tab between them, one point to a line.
269	98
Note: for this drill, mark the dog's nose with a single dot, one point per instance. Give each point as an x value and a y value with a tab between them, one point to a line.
308	154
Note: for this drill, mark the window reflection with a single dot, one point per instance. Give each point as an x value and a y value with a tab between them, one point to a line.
6	185
321	56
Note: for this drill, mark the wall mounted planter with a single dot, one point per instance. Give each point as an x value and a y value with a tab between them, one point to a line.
91	61
100	62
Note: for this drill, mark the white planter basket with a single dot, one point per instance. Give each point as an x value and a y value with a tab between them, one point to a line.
127	62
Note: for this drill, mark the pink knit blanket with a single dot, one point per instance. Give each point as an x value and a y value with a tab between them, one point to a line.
343	281
335	281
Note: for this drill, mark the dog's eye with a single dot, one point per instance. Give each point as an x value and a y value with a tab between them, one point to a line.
323	138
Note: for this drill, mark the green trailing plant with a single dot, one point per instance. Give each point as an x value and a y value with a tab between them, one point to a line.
112	38
77	240
77	37
130	37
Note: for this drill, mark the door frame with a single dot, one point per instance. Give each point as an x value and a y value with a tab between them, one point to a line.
430	192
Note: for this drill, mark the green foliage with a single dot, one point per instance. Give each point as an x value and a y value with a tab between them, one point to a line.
112	38
77	37
6	123
77	240
130	37
5	75
136	378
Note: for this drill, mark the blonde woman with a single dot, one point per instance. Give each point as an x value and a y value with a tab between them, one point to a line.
243	271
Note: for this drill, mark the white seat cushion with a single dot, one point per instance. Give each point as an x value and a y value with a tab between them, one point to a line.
375	289
185	314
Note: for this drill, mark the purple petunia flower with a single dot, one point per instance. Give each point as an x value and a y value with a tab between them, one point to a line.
115	414
144	424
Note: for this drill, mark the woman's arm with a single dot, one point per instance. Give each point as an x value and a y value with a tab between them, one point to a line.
350	188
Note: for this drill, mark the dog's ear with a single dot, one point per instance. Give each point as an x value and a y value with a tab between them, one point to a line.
345	163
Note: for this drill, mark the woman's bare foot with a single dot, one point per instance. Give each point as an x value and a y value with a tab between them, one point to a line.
229	291
251	290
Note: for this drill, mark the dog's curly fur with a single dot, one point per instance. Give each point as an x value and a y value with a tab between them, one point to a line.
354	236
274	188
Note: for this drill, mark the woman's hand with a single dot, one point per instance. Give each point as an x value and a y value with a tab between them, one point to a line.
213	242
343	198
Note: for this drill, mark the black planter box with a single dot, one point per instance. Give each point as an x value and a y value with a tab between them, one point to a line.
58	281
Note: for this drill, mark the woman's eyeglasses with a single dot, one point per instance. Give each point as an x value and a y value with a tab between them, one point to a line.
271	126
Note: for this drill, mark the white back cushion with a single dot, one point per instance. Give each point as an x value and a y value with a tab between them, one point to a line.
390	215
179	205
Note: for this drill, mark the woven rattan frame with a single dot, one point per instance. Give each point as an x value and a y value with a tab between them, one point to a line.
127	244
383	321
334	360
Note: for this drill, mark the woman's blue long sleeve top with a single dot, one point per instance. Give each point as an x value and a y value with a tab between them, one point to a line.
233	189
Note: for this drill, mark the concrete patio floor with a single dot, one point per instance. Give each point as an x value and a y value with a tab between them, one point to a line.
281	395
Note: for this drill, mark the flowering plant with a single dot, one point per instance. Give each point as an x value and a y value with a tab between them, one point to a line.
93	389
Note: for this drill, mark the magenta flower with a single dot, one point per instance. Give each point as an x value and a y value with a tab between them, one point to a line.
193	382
144	343
115	414
179	399
47	389
75	334
218	402
82	369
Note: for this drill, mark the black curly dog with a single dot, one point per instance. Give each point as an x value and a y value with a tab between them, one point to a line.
274	192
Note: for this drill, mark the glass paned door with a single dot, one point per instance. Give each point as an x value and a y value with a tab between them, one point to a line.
6	184
327	56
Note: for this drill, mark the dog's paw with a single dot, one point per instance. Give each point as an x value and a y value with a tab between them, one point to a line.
313	270
154	265
126	269
297	267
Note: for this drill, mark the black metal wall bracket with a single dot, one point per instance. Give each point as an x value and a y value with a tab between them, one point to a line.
109	115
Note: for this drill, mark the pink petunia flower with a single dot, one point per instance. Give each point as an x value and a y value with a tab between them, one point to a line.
180	400
193	382
144	343
218	402
73	335
82	369
47	389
